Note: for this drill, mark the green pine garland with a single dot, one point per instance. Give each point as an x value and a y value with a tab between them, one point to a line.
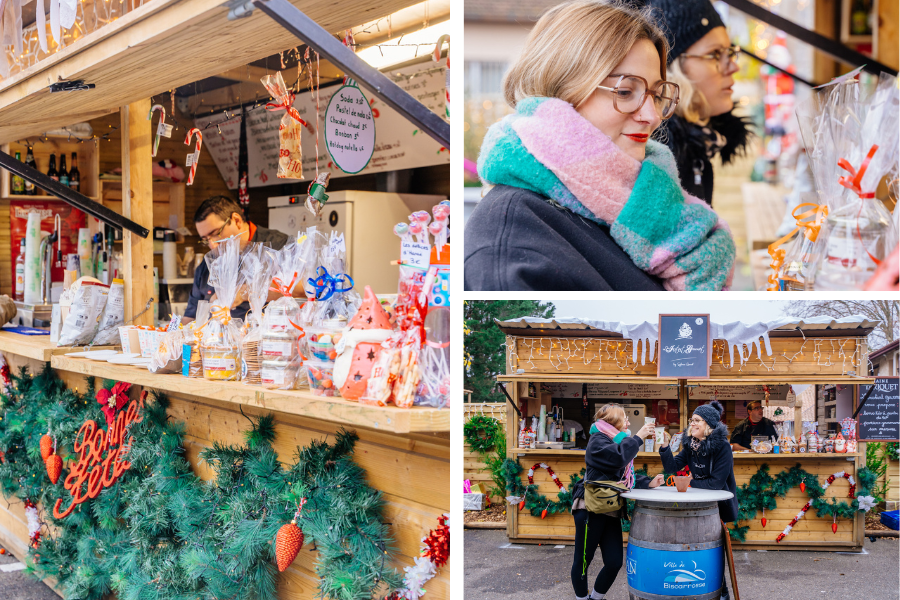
160	532
762	489
490	427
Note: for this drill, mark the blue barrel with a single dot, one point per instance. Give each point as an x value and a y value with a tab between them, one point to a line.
675	550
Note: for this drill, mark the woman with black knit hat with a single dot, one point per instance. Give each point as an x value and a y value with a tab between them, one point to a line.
702	63
707	452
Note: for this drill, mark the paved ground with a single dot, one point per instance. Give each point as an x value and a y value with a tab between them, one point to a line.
495	571
15	585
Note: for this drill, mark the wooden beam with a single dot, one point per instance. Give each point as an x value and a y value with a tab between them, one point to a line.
137	205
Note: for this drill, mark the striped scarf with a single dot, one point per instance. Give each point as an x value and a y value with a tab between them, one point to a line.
547	147
617	436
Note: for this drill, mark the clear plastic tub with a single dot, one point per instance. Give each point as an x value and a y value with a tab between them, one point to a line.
321	377
321	343
221	364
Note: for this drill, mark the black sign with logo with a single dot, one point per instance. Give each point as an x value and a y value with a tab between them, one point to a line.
879	417
684	346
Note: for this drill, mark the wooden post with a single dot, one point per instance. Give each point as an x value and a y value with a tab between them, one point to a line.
512	442
137	205
682	403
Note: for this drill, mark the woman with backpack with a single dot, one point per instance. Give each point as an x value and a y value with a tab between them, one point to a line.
609	464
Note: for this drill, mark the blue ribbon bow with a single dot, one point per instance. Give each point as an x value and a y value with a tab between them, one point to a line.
326	285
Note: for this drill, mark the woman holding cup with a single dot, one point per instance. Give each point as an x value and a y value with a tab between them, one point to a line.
708	454
609	457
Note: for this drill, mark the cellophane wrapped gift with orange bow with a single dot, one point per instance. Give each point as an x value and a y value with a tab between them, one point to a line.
191	359
256	271
280	356
290	164
850	129
220	337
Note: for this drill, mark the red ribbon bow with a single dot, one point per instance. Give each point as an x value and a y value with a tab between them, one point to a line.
852	181
286	103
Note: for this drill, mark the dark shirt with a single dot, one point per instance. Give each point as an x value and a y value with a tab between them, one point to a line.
744	431
203	291
516	240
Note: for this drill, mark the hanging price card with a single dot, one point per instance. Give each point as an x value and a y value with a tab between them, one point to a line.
350	129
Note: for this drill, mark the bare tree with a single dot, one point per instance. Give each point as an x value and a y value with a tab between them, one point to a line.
883	311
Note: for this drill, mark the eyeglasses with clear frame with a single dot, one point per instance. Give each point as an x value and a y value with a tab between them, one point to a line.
723	57
631	91
211	237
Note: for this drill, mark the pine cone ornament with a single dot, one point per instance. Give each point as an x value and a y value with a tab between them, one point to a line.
288	542
54	467
46	446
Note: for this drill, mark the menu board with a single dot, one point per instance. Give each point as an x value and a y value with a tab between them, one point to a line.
398	143
608	391
879	417
684	346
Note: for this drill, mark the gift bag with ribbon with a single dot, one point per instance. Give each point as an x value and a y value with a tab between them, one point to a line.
256	270
331	288
796	256
853	131
280	356
191	360
289	155
220	344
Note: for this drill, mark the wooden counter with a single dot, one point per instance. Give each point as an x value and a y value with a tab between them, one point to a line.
36	347
810	533
405	452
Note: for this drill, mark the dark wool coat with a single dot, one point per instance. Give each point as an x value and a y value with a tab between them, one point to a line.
688	142
744	431
516	240
606	460
712	467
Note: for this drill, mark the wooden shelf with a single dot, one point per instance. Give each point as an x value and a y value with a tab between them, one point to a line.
37	347
302	403
797	456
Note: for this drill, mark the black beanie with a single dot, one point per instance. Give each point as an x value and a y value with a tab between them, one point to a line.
685	22
711	413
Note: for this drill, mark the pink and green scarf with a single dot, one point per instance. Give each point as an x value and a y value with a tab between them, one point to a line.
547	147
617	436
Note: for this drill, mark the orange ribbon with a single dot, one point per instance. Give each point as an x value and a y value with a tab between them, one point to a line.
285	290
811	222
222	313
286	103
851	182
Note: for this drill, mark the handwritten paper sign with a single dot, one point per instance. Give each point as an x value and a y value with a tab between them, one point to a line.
350	129
415	254
879	418
400	144
684	345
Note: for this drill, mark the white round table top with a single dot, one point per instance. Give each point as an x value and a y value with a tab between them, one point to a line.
670	494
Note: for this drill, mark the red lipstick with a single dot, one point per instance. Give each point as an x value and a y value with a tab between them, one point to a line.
641	138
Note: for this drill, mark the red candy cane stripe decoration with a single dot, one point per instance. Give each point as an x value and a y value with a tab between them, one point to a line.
193	158
828	482
436	57
162	122
549	470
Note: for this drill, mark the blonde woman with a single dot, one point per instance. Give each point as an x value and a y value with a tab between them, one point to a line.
580	197
609	457
707	452
702	62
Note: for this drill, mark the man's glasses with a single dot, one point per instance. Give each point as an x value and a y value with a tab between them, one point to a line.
631	91
722	56
211	238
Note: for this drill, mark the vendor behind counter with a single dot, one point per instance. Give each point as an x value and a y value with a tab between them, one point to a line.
755	424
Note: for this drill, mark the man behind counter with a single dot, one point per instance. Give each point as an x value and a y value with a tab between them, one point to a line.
754	424
220	218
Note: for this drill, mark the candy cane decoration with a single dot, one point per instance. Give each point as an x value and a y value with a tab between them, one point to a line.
828	482
436	56
160	128
553	475
193	158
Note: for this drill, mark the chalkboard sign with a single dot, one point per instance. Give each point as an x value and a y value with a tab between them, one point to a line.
879	418
684	346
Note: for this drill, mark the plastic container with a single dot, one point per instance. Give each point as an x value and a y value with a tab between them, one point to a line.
321	341
221	365
321	377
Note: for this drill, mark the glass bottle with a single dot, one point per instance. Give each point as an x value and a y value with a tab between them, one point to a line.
63	173
30	189
74	174
18	184
52	173
20	272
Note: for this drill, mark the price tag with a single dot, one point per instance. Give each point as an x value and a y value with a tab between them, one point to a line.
336	245
164	130
189	160
174	323
415	254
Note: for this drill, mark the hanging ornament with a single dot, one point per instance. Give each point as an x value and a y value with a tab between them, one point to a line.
290	153
243	162
543	513
316	196
437	543
834	525
763	520
46	446
289	540
54	466
34	523
162	129
522	504
802	486
193	158
766	392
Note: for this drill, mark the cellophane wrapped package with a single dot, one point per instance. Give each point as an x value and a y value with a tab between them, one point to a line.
220	344
281	362
113	315
256	271
167	357
88	298
395	375
192	361
332	288
290	164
